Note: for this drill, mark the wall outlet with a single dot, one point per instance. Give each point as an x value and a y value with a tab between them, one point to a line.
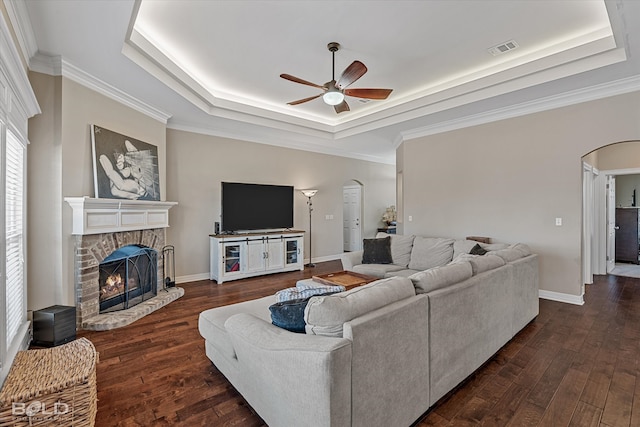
558	222
410	218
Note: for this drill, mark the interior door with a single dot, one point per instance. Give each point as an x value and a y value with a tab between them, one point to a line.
611	222
352	224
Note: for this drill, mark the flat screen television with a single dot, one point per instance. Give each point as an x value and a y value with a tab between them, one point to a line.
247	207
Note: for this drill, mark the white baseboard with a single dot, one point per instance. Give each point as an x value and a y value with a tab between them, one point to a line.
192	278
324	258
560	297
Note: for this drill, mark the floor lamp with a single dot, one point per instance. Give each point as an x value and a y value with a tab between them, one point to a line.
309	194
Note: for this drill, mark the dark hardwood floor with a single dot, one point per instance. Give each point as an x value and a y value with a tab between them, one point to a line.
572	366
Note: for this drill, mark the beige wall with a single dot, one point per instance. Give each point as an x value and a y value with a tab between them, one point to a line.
191	168
60	165
623	155
44	201
510	179
197	164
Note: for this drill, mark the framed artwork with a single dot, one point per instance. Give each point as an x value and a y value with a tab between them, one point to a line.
124	167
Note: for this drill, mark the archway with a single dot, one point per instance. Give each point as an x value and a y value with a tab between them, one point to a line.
600	169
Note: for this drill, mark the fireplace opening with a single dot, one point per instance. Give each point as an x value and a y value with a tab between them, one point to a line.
128	277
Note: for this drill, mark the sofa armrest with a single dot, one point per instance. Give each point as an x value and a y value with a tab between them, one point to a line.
290	378
349	259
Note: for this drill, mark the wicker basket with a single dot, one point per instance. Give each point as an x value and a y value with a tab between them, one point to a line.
51	387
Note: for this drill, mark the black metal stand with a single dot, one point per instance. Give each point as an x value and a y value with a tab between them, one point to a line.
311	264
168	267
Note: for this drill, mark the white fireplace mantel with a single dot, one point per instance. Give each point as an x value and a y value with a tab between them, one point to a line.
94	216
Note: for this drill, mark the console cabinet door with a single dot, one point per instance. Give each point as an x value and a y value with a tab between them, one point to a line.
293	252
274	249
232	262
256	255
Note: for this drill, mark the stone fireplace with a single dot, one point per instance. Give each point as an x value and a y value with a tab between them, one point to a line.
102	227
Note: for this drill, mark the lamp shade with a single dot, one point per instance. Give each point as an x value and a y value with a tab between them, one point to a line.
309	193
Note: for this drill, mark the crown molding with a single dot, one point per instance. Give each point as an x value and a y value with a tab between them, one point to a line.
57	66
592	93
19	17
14	76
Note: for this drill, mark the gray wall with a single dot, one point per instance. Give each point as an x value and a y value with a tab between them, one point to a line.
510	179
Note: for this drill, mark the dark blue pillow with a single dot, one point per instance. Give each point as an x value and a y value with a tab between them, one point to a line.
289	315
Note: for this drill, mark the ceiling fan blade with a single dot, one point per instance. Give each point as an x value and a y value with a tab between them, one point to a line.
368	93
342	107
352	73
300	101
299	80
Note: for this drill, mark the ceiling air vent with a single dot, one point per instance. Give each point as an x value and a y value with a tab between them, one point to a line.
503	48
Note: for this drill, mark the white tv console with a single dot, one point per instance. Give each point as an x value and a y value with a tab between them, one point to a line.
237	256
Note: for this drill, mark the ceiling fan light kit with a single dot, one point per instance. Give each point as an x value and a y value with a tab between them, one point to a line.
333	97
335	91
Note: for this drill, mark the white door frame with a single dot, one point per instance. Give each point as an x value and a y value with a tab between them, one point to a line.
600	243
588	208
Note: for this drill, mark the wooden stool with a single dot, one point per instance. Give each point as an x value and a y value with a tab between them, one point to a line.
51	387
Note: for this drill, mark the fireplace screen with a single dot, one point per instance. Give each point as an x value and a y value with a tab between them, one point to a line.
127	277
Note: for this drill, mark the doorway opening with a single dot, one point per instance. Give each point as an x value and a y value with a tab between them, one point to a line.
611	182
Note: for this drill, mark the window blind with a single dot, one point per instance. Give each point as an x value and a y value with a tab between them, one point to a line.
14	228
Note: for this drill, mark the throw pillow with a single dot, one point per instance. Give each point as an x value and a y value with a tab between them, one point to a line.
377	251
289	294
289	314
478	250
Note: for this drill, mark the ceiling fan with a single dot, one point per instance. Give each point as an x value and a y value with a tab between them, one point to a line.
335	91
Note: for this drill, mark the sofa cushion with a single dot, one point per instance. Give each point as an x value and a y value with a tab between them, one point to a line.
326	315
400	248
512	252
429	252
401	273
480	264
376	270
211	322
377	251
440	277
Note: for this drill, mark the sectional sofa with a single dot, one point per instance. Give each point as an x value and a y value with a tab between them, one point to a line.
381	354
